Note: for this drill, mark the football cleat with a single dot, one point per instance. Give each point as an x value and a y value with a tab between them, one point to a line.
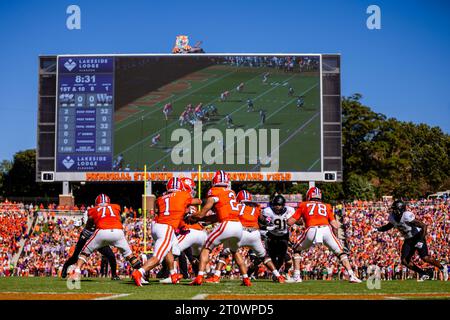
197	281
176	277
213	279
75	275
246	282
354	279
115	278
294	279
137	277
281	279
166	280
423	278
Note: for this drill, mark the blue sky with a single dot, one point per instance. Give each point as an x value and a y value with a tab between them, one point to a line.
401	70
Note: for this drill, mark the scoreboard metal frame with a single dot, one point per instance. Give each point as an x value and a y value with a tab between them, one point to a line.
330	120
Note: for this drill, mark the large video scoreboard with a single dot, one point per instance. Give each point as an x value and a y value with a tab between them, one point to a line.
262	117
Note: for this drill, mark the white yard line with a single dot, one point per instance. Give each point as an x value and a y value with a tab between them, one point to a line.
313	164
116	296
199	297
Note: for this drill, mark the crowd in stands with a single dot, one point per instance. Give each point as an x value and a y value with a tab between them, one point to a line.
13	228
52	240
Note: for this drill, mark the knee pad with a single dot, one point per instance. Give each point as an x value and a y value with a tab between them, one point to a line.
342	256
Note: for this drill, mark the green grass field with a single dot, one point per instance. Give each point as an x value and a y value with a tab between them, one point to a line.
231	289
299	129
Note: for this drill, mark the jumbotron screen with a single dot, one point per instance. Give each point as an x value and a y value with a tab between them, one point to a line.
241	113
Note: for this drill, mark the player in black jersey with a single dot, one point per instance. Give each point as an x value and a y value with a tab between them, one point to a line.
106	251
414	233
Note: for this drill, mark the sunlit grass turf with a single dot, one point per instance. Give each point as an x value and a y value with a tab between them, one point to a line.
155	290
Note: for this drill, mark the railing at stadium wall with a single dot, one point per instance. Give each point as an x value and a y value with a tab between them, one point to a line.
63	212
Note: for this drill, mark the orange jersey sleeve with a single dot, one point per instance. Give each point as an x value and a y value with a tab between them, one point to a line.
226	206
249	216
106	216
314	213
172	208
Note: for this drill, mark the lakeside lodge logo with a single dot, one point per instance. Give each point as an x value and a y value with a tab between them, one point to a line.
68	162
70	64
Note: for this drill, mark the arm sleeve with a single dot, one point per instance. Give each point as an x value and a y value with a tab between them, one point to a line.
330	213
211	194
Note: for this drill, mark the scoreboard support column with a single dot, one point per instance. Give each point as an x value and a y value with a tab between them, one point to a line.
312	184
148	199
66	198
148	205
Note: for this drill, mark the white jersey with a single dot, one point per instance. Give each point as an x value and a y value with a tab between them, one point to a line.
405	229
277	224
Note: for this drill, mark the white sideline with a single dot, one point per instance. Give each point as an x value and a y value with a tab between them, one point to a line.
113	297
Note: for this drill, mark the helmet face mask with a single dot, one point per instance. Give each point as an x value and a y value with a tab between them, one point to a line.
278	204
221	179
175	184
314	194
398	208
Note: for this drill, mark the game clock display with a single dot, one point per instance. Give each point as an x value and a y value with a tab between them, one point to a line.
85	107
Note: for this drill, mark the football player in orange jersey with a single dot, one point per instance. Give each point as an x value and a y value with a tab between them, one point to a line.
222	200
249	216
189	235
172	209
321	227
109	231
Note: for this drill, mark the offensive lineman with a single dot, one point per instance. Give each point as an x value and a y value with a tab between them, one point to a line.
414	232
321	227
85	235
249	216
109	231
229	230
